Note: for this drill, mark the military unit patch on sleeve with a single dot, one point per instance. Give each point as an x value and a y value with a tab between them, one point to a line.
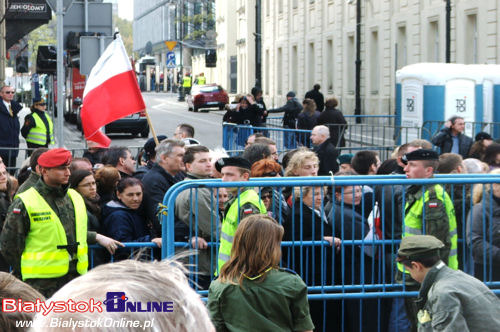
16	211
433	205
248	211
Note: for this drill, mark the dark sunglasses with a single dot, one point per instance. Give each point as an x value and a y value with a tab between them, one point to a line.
42	104
270	174
10	92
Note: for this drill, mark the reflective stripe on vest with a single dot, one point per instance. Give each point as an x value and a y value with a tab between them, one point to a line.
41	258
38	134
186	82
413	222
231	221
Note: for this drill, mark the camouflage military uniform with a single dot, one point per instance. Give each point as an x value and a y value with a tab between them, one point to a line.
30	182
17	226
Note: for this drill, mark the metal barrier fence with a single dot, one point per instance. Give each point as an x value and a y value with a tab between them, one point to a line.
383	139
364	268
134	250
379	120
431	128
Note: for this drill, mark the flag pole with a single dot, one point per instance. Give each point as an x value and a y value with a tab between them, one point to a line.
152	128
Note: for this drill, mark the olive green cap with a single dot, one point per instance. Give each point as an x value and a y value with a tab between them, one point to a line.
419	246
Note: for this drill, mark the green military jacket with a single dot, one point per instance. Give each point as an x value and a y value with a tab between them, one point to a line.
454	301
17	226
279	303
30	182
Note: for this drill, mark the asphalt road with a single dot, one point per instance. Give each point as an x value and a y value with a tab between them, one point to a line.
165	113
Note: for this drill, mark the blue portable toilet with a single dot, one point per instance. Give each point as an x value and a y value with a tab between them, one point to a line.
427	93
491	97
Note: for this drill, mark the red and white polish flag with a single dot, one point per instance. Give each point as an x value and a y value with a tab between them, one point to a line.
111	92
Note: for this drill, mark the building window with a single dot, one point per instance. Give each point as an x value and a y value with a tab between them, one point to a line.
401	48
268	7
433	42
351	65
295	4
279	76
280	6
374	63
294	71
471	37
311	65
329	65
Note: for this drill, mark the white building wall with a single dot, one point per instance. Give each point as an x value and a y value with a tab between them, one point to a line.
404	34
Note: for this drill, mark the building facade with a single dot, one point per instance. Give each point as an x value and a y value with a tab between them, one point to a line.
314	41
156	22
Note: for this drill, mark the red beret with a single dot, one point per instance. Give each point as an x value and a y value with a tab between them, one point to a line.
55	158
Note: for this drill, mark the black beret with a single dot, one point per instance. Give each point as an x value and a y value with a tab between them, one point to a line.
420	154
150	144
232	161
482	135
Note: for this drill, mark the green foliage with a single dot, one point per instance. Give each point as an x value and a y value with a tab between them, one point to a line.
43	35
197	22
125	28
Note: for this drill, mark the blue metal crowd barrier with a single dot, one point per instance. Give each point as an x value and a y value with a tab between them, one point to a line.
364	269
380	120
134	250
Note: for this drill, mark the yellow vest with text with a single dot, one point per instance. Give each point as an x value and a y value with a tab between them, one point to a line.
202	80
38	134
413	222
41	258
186	82
231	221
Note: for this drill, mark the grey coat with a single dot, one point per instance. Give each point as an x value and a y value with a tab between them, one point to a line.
454	301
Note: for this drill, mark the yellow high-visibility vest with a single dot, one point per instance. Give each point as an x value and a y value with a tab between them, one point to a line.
41	258
38	134
186	82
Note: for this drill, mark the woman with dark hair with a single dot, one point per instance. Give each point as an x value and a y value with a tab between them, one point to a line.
83	181
106	179
350	225
122	218
306	120
252	292
492	155
307	222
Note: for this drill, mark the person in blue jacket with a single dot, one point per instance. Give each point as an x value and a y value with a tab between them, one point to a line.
123	218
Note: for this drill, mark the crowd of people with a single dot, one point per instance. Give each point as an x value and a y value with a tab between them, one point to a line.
110	198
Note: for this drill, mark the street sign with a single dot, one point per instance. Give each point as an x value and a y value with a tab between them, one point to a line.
100	19
66	4
170	45
90	51
170	60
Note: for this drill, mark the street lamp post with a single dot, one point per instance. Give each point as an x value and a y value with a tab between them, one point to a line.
179	8
448	28
357	110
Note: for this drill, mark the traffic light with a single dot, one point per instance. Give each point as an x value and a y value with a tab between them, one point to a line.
46	59
210	58
22	64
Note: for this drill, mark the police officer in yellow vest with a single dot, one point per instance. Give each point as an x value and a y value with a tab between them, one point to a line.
38	129
201	79
186	83
244	202
427	211
45	237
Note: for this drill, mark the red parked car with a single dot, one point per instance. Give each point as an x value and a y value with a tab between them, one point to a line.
207	96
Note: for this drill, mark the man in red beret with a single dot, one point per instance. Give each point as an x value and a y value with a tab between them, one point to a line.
45	235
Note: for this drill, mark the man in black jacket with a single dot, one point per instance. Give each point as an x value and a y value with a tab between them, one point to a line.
334	119
9	127
169	156
327	154
317	96
452	139
292	109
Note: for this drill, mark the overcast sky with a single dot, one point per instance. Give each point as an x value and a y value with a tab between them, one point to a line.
125	8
